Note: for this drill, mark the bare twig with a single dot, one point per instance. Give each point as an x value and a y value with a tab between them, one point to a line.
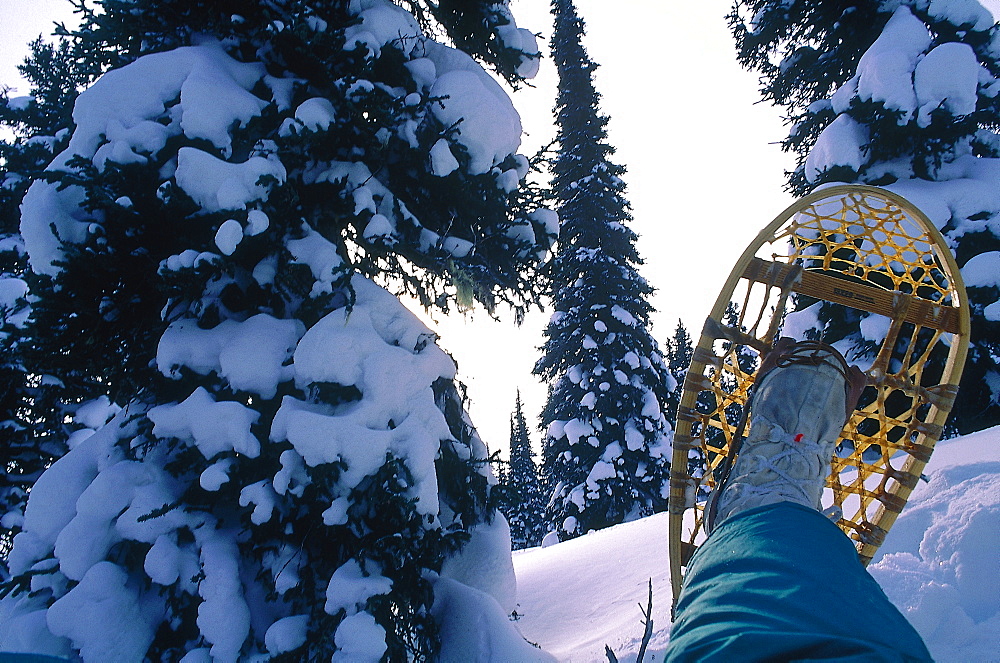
647	632
648	623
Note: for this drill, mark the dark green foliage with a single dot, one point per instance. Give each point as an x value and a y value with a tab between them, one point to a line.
679	353
803	50
134	27
472	25
605	452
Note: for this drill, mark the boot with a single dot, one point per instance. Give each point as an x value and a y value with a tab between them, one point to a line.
796	413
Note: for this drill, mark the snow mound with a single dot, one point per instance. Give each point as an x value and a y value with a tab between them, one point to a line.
939	562
577	596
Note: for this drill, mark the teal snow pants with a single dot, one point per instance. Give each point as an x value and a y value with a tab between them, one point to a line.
783	583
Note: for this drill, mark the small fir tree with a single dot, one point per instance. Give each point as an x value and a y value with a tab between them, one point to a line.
523	501
900	95
292	473
606	437
679	353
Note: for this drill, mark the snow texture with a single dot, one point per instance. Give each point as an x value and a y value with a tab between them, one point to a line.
223	615
488	126
841	144
320	254
484	563
214	427
316	114
286	634
969	13
95	413
475	628
12	301
577	596
938	564
350	588
947	77
981	271
121	634
885	72
217	185
359	639
443	162
229	236
388	354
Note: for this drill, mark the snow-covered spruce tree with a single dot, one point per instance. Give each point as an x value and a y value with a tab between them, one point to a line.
292	473
523	503
606	448
21	458
680	350
35	408
903	95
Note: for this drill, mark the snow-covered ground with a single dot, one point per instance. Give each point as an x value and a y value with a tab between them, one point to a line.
940	565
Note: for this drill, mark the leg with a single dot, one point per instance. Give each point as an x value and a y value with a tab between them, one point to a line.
776	580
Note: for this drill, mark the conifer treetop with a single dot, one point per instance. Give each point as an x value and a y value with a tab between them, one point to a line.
606	434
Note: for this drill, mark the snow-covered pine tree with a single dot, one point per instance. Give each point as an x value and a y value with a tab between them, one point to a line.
21	458
523	503
903	95
292	473
35	407
606	449
680	350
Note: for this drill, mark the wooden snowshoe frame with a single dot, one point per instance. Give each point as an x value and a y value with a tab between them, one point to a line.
859	247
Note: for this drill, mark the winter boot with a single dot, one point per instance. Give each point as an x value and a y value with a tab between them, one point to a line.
796	412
